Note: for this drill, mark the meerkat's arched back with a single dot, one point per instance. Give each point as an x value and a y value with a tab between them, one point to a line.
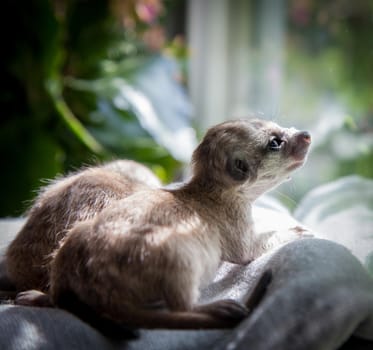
65	201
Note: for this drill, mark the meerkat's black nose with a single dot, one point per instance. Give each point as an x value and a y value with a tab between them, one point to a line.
304	136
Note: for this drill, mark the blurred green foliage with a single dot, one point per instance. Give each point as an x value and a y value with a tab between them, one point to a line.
60	64
70	69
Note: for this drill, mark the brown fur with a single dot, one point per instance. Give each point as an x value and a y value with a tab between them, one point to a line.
160	246
59	206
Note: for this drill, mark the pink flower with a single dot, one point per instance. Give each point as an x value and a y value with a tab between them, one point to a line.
148	10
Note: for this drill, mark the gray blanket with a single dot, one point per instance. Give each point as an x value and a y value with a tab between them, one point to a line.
321	297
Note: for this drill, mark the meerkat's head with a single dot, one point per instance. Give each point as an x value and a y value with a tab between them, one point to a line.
249	154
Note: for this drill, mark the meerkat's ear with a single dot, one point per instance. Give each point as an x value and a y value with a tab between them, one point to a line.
238	167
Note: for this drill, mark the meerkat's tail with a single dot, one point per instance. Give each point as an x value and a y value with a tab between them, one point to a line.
219	314
122	324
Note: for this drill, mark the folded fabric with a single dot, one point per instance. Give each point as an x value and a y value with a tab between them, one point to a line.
320	296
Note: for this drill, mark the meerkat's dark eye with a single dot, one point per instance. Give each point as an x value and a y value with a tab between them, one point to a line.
275	144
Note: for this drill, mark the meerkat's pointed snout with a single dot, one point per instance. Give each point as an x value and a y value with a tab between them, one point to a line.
301	143
304	136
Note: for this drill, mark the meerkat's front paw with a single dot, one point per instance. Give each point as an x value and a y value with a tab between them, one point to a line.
302	232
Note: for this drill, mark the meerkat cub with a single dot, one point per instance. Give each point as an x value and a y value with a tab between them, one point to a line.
159	246
59	206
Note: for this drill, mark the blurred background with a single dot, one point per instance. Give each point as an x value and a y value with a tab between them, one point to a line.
88	81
